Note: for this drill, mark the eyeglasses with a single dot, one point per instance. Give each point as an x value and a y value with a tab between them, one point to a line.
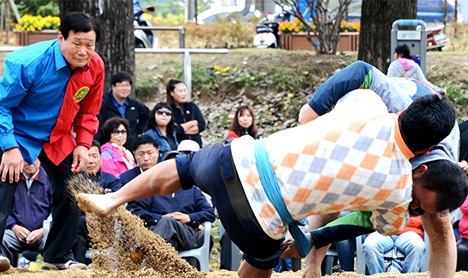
123	85
119	131
167	112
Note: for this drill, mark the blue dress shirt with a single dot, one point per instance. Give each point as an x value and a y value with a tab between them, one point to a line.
32	90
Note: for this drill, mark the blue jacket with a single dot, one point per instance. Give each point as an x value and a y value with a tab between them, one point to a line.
31	208
191	202
163	143
129	175
107	181
32	75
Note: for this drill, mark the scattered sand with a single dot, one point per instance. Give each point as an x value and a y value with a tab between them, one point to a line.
125	248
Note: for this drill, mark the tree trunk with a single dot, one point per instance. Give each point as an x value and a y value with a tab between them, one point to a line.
116	45
377	18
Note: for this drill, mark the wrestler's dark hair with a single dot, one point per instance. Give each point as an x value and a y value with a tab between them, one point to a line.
120	77
448	180
78	22
145	139
238	129
112	124
151	122
96	144
170	86
403	49
427	121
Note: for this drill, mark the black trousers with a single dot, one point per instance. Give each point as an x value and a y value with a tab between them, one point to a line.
179	235
65	212
462	254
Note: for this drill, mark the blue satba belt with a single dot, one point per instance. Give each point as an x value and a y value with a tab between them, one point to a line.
272	190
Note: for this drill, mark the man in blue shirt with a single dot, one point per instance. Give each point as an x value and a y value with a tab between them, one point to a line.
118	103
50	96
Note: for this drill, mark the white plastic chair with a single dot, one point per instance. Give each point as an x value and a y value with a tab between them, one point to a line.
202	254
361	266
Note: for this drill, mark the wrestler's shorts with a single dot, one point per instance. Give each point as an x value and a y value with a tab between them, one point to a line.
213	171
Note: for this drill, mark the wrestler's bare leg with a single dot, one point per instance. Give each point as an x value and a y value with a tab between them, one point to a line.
161	179
315	257
247	270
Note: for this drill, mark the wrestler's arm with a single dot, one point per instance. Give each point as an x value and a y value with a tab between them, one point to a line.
442	250
349	226
307	114
358	75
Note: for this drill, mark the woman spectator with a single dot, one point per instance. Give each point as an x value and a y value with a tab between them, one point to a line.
404	66
161	126
243	123
188	117
116	159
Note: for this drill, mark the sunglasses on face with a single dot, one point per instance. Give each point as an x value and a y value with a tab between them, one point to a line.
167	112
119	131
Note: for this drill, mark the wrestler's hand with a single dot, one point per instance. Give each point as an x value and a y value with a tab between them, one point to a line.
12	165
464	165
291	250
80	159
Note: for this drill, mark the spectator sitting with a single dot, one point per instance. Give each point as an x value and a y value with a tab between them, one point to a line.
146	153
108	182
177	218
243	123
188	117
160	125
116	159
117	103
409	241
404	66
31	207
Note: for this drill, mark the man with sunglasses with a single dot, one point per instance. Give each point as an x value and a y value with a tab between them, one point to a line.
118	103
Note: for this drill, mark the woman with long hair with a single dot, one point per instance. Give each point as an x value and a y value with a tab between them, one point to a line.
116	159
243	123
404	66
188	117
161	126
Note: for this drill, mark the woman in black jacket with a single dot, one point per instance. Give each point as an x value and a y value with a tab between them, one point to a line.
188	117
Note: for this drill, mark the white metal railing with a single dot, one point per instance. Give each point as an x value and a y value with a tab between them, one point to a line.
187	59
185	51
180	29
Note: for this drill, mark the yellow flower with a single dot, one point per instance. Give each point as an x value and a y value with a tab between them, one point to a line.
217	68
36	23
225	69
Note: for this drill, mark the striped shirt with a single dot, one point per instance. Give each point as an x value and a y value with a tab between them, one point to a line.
348	159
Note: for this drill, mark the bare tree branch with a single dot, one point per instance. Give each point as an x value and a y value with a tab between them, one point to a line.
327	23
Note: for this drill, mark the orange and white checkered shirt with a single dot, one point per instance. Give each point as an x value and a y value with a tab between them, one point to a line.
352	158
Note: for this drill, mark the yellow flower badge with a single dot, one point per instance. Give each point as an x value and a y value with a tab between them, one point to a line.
81	93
